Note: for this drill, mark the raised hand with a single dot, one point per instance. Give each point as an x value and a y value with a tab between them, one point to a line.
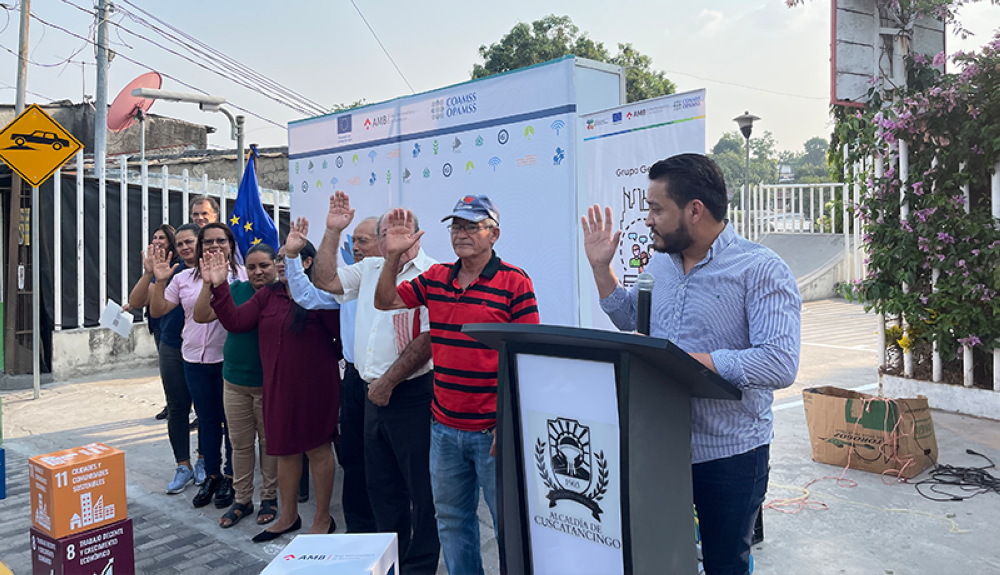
215	268
399	235
162	270
147	260
598	240
340	214
297	238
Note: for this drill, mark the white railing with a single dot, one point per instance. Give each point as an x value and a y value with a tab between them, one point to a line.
165	185
801	209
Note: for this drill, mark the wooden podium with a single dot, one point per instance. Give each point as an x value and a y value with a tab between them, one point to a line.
594	449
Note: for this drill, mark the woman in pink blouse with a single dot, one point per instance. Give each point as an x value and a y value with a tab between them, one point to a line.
202	352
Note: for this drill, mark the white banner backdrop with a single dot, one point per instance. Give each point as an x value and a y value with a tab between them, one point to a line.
617	148
511	137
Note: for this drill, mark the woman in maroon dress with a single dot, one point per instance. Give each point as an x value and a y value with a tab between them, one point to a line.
299	351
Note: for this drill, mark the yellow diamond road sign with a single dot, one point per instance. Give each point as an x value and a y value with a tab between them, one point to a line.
34	145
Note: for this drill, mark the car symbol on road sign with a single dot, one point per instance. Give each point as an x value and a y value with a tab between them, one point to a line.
34	145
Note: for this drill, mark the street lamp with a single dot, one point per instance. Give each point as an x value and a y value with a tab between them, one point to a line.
207	103
745	122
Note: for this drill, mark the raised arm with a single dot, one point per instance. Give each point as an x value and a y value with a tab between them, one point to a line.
235	319
139	298
600	245
303	291
338	219
159	306
399	237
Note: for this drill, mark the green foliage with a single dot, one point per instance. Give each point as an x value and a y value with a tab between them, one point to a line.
341	107
730	154
556	36
808	166
951	124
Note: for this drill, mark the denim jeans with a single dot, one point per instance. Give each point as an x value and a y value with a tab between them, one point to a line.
178	401
728	494
461	465
204	381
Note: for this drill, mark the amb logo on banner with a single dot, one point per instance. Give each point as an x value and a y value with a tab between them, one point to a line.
34	145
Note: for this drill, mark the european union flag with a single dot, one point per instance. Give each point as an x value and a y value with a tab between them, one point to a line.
250	222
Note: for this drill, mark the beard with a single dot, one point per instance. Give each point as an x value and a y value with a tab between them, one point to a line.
674	242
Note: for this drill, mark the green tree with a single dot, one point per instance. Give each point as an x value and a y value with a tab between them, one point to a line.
556	36
730	154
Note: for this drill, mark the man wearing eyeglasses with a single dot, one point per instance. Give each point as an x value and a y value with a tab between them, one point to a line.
478	288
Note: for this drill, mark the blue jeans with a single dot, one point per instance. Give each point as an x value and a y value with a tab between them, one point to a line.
728	494
204	382
461	464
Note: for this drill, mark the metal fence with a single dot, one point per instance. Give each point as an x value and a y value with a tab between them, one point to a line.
801	209
161	183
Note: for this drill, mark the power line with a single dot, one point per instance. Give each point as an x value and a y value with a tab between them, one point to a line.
370	29
746	86
29	58
4	86
204	50
138	63
284	96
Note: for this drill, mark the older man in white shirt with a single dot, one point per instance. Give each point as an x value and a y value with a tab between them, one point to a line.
392	352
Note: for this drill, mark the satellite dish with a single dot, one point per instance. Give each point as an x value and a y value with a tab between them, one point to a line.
126	107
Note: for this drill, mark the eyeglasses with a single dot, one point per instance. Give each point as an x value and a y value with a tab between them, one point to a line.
279	259
215	242
469	228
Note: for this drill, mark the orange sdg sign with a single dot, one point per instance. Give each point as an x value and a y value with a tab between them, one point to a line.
34	145
77	489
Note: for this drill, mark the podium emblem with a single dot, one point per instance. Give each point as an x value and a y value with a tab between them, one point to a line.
569	456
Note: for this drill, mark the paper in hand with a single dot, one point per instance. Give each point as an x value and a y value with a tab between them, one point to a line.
114	319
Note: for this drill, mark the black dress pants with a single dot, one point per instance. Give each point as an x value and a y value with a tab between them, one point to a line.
353	397
397	462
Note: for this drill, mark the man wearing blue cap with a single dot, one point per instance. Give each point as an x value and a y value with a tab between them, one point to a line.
478	288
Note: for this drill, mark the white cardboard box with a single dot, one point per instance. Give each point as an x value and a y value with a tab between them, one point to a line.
348	554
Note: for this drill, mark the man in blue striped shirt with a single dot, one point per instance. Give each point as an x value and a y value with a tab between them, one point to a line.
735	307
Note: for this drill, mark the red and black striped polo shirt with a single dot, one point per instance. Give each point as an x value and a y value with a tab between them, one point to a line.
465	371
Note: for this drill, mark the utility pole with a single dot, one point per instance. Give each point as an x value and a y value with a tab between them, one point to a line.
101	103
101	139
11	349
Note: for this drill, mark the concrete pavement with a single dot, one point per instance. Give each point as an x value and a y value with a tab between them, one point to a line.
871	528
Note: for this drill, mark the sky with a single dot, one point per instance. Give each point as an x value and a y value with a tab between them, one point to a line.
758	56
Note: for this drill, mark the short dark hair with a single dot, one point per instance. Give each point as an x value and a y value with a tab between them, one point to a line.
693	177
188	228
205	199
266	249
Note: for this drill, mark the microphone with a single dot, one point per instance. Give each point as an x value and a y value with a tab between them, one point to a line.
645	284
